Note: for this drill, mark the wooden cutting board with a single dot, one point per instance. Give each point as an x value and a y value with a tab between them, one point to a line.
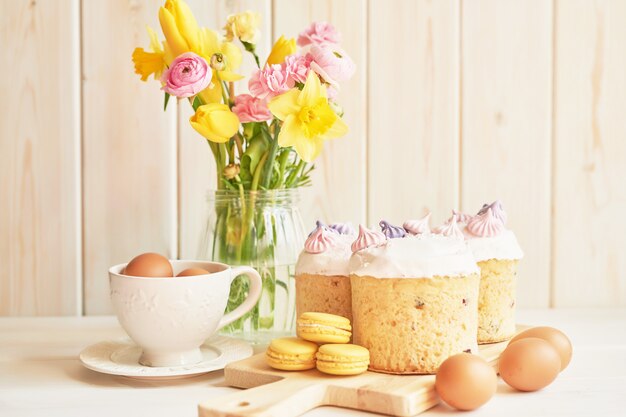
277	393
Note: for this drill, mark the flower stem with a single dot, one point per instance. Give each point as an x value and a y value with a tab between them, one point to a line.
223	154
239	144
222	87
257	173
231	94
283	158
294	174
267	175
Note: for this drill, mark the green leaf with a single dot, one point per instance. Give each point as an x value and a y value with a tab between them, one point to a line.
196	103
167	99
256	148
250	47
283	285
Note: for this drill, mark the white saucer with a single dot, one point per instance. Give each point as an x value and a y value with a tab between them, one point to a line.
121	357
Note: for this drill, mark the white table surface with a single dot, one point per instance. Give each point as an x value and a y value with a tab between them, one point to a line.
40	374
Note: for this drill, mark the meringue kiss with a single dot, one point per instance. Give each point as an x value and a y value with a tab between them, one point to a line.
367	238
320	240
485	224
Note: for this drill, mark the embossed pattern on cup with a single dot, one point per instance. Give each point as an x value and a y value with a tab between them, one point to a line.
169	318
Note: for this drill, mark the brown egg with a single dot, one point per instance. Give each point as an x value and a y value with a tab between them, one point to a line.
192	271
466	381
529	364
149	265
555	337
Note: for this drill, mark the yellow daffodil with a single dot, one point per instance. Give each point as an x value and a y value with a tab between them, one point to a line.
281	49
215	122
307	118
244	26
147	63
179	27
231	58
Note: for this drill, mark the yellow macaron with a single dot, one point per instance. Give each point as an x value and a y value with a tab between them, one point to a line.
342	359
324	328
291	354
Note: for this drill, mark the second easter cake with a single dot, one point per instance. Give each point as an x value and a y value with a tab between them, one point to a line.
414	298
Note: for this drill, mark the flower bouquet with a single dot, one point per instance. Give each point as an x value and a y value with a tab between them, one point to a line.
264	141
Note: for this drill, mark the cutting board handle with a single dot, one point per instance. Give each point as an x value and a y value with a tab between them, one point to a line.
285	398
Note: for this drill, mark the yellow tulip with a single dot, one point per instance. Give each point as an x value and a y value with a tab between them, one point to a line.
179	27
215	122
244	26
281	49
307	118
147	63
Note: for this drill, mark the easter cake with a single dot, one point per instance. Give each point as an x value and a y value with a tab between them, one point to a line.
414	296
322	276
497	252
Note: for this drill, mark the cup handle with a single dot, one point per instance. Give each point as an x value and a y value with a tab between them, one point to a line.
253	295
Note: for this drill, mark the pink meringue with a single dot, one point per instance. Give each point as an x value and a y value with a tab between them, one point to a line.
485	224
418	227
368	238
461	217
320	240
450	228
498	210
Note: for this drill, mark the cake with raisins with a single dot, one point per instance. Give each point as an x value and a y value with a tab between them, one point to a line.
414	298
498	253
322	277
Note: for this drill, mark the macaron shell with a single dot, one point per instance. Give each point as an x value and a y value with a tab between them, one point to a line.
285	365
342	359
293	346
333	368
343	353
291	354
323	334
324	319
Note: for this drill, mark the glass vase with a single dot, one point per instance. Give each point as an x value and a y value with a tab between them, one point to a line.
264	230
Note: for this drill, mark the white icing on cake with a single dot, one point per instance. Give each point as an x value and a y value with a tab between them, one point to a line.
333	261
421	256
503	246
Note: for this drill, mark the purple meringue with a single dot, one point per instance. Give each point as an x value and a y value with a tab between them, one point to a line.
343	228
391	231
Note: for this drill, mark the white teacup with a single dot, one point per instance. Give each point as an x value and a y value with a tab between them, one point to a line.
170	318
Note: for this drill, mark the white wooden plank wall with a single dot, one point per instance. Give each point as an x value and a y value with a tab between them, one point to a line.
129	148
506	95
40	218
454	103
589	234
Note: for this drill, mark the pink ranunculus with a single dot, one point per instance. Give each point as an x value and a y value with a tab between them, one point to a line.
187	75
331	63
251	109
270	81
319	33
298	67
